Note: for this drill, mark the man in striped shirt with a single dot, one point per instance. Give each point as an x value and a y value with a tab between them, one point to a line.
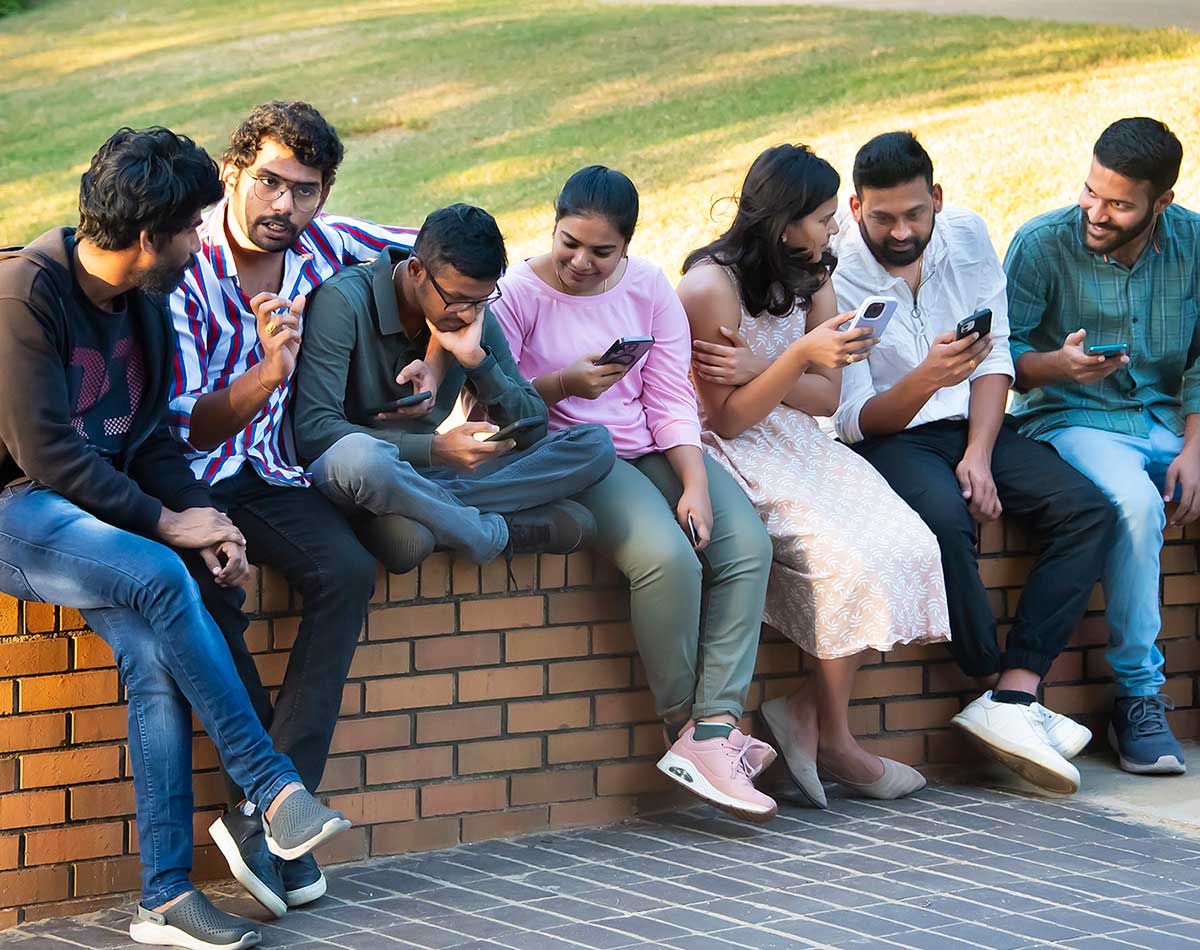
1102	299
239	319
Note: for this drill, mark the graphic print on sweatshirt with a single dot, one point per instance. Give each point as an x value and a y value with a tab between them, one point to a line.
107	377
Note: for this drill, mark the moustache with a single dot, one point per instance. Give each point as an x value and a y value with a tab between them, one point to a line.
282	220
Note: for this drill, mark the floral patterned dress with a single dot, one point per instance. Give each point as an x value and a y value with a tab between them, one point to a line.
855	568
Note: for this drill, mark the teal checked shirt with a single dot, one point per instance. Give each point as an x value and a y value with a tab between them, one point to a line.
1056	286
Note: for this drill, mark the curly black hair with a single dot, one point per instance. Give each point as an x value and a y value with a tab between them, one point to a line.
149	180
293	123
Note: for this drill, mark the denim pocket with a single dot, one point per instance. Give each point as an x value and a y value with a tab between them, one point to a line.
13	583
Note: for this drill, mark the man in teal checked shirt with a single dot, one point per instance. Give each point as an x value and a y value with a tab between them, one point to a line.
1103	303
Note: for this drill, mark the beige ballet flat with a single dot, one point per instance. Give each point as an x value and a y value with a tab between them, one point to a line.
801	768
897	781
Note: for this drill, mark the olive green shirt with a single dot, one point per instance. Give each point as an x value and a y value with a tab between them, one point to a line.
354	346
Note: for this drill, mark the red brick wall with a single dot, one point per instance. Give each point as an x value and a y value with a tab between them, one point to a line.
470	713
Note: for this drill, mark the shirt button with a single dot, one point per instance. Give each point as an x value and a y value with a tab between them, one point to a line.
1134	320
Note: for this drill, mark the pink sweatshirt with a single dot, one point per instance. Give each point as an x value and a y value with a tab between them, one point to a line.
653	408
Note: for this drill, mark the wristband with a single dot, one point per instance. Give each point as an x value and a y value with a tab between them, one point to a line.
561	385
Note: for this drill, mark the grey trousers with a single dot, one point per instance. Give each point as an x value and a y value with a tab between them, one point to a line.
462	510
692	671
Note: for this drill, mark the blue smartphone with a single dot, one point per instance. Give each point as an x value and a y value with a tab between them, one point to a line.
1108	349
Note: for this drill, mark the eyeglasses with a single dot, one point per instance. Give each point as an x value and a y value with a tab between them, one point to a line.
461	306
306	196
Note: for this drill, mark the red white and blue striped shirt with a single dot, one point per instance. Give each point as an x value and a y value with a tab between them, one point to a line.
217	337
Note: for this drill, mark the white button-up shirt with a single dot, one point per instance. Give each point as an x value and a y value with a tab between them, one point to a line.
960	274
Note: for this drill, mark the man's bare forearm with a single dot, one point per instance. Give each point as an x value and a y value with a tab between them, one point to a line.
220	415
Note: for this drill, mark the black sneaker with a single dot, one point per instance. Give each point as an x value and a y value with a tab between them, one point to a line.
193	924
558	527
244	845
303	880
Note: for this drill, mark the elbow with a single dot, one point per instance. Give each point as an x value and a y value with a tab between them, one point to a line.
727	428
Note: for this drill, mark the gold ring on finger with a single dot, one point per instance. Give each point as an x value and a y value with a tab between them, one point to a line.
849	359
271	328
971	363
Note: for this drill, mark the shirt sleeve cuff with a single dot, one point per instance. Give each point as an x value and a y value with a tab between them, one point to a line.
673	434
416	448
996	364
179	418
845	422
488	378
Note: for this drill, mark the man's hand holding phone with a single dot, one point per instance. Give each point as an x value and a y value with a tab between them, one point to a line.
951	361
464	448
424	383
1075	363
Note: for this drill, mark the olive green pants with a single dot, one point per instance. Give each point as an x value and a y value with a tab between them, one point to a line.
692	671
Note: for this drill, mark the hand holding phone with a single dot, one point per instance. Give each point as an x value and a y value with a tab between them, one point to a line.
692	531
1108	349
874	313
1077	363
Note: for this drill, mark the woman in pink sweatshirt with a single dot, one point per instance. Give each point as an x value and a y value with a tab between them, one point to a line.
671	519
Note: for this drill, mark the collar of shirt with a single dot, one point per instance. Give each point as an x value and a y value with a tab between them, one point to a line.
214	245
383	290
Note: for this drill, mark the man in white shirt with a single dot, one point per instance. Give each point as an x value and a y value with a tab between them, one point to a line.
927	410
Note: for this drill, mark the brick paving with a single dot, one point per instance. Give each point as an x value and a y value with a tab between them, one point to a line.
954	867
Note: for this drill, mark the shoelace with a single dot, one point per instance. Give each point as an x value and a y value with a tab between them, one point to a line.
739	764
1147	715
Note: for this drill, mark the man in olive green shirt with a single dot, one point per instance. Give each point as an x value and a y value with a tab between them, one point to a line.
418	322
1103	302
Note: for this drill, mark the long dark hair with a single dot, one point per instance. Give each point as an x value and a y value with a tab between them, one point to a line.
785	183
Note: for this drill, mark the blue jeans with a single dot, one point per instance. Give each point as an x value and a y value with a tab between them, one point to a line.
1130	471
463	509
138	596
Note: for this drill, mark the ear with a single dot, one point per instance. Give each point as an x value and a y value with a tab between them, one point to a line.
856	208
146	243
1164	201
416	268
937	199
229	176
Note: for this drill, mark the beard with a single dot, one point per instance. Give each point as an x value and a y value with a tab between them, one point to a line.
270	239
1115	238
897	255
163	277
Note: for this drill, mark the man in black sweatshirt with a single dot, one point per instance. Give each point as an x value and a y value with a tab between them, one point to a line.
94	495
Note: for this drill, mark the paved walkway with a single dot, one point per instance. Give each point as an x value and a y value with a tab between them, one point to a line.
1144	13
952	868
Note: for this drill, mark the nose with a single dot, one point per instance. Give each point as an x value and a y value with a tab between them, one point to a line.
283	201
901	233
833	227
579	260
194	243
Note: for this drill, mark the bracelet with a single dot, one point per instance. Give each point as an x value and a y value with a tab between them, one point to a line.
258	379
561	385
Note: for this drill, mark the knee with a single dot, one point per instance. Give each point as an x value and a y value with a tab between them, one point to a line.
398	542
667	559
348	567
359	459
751	551
951	524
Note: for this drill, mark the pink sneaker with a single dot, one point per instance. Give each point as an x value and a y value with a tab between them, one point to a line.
717	771
759	755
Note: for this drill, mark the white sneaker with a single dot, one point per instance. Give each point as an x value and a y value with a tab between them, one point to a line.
1014	734
1068	737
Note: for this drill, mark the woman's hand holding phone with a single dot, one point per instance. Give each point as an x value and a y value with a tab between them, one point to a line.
588	380
694	513
833	348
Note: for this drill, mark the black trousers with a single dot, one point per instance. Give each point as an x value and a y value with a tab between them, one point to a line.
1066	514
300	534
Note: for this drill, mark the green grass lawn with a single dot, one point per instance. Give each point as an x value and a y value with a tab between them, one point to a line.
496	102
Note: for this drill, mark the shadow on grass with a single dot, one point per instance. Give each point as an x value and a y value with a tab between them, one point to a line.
494	102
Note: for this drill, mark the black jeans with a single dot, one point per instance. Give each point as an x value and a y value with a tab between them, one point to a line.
1067	515
300	534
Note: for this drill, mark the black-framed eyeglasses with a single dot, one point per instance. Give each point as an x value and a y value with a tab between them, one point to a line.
306	195
461	306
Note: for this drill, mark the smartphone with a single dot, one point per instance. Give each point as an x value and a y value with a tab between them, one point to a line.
979	322
516	428
874	313
626	351
1108	349
692	532
401	403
